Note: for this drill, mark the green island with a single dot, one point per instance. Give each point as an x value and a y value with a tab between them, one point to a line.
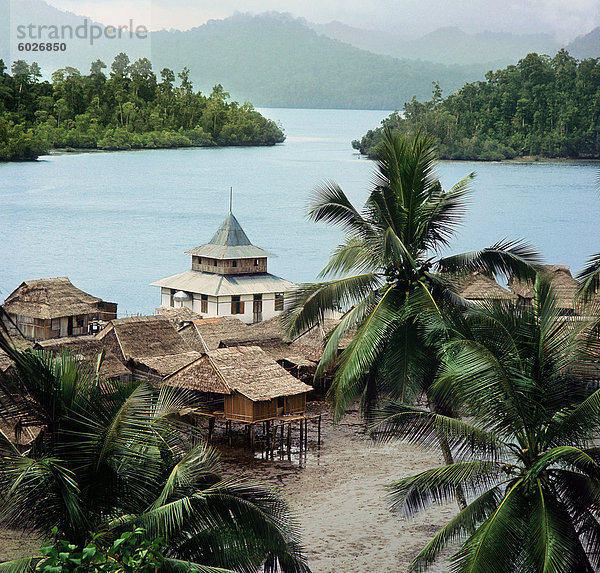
542	106
128	109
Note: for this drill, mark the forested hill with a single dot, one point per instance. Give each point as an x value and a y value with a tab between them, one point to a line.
270	59
548	107
277	60
123	107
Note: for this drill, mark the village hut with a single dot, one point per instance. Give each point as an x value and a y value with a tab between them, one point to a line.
150	346
87	349
246	383
55	308
565	287
479	287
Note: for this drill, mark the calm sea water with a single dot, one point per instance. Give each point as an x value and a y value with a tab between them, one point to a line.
115	222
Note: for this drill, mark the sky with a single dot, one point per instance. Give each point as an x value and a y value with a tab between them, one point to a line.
566	19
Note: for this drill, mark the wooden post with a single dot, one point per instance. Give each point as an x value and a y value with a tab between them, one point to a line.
289	439
252	437
306	433
301	434
229	431
211	428
319	432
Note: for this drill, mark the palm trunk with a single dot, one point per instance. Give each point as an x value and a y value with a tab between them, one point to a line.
461	498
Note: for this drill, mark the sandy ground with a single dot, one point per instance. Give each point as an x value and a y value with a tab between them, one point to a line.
339	495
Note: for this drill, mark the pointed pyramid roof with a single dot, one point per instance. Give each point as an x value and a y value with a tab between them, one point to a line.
229	242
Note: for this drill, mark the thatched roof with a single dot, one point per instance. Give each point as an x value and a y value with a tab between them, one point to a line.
215	330
145	336
200	375
189	332
167	364
177	315
50	298
17	434
87	348
20	343
310	344
244	369
148	340
478	286
564	285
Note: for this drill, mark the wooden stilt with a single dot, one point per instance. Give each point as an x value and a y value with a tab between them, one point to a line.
289	439
252	436
306	434
211	428
301	434
229	432
319	432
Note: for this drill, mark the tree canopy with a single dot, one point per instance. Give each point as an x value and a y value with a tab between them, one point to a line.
130	108
542	106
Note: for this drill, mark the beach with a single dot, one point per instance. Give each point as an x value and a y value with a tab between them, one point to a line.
338	495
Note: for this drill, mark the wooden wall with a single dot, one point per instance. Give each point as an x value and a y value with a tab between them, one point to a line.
238	407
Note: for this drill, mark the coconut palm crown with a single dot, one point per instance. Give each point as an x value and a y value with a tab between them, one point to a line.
526	458
389	265
109	457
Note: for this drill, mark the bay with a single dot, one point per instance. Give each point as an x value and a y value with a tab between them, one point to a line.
115	222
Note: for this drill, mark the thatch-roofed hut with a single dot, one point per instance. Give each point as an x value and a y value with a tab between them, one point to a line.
564	285
478	287
150	345
55	308
88	348
253	386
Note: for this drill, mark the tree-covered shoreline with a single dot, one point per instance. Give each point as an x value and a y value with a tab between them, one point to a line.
541	107
127	109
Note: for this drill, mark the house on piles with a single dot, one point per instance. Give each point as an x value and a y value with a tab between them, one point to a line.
228	277
55	308
563	284
243	383
478	287
149	346
87	349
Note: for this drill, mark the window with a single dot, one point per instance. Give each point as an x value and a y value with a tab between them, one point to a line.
237	306
278	301
214	262
234	263
280	401
257	304
79	321
256	262
204	303
55	324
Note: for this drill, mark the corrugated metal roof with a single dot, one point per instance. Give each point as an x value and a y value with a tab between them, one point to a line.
220	285
229	242
220	252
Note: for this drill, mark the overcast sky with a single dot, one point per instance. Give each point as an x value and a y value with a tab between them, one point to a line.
564	18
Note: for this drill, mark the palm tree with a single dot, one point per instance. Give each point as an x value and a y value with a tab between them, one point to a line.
526	457
386	272
111	457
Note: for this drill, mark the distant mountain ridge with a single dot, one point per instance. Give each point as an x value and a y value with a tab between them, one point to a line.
586	46
275	59
448	45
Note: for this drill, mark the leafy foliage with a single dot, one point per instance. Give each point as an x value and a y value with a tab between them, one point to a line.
541	106
526	460
387	275
114	457
130	109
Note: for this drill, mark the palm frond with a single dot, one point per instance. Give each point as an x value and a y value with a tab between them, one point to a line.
438	485
310	303
507	258
590	278
458	528
394	420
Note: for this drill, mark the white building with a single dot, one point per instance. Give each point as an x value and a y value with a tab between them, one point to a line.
228	278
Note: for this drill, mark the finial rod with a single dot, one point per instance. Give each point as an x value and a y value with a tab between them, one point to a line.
230	198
